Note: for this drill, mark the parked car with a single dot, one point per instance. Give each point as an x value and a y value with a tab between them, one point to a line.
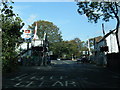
58	58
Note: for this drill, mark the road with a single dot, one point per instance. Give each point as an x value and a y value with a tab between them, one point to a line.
62	74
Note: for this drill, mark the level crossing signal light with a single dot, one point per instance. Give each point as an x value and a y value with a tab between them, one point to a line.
104	48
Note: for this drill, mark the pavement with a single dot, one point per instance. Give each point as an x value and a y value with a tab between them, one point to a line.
62	74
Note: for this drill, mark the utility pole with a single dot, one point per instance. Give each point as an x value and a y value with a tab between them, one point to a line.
103	29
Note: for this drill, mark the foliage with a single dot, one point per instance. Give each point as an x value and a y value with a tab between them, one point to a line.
11	25
60	48
97	10
7	8
100	10
70	48
53	33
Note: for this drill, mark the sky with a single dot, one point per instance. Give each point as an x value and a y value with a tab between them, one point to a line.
64	15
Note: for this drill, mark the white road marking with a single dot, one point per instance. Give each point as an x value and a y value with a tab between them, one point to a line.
53	62
51	77
42	77
18	77
58	82
26	76
29	84
17	84
41	83
32	77
23	78
70	83
66	62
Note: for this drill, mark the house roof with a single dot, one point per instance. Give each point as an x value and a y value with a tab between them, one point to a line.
97	39
103	38
106	35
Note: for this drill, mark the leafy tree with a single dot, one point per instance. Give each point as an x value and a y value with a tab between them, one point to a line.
72	47
100	10
58	48
53	34
65	49
11	25
7	8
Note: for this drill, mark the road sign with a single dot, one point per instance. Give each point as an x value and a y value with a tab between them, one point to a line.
27	31
27	36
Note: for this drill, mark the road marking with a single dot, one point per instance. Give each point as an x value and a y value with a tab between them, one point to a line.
45	77
32	77
23	78
66	62
17	84
18	77
41	83
53	62
51	77
26	76
70	83
57	83
42	77
36	78
29	84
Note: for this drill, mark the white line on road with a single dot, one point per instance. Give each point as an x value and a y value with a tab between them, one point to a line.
66	62
26	76
23	78
58	83
18	77
17	84
69	83
29	84
41	83
32	77
53	62
42	77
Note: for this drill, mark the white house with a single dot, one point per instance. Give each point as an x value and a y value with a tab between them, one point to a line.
106	45
119	36
112	43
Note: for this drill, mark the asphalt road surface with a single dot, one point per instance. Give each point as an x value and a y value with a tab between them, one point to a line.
62	74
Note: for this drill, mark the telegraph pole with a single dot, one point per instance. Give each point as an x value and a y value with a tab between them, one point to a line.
103	29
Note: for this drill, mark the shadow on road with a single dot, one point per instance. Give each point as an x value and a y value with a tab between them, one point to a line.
62	74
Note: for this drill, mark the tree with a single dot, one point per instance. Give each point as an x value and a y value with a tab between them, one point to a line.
53	34
71	48
100	10
11	25
58	48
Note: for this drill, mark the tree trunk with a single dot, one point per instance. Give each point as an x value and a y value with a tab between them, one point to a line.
117	29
